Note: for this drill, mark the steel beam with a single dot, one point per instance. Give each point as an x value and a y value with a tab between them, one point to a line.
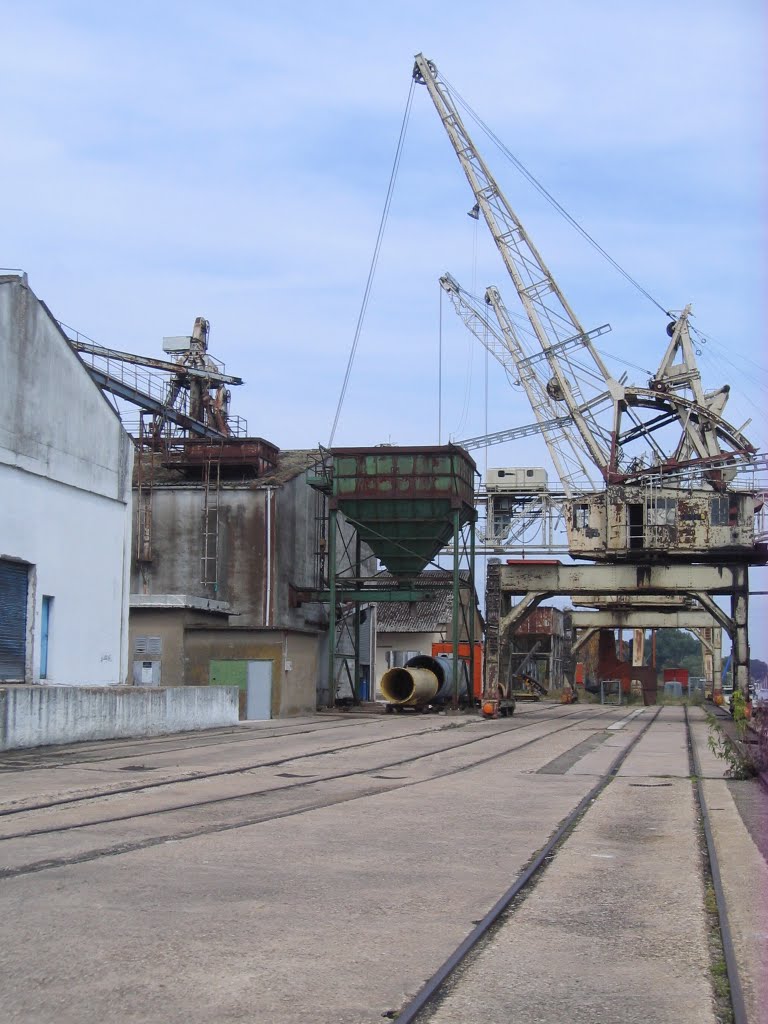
522	578
633	601
363	595
150	404
628	618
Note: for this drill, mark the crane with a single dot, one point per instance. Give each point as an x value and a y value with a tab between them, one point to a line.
625	432
191	392
664	452
504	343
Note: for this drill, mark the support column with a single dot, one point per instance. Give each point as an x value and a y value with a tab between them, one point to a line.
456	606
717	657
331	607
492	614
358	574
739	616
472	609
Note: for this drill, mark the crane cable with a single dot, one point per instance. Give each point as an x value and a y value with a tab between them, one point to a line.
374	260
551	199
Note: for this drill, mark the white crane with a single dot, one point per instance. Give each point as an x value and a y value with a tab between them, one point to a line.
625	432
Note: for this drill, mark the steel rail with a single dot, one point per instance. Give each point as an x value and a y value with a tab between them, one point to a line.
427	994
314	781
148	842
8	766
201	776
731	966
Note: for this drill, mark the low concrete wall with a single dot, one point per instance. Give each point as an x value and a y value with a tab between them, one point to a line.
36	716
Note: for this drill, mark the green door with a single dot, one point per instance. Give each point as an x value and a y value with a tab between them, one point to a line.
228	673
231	673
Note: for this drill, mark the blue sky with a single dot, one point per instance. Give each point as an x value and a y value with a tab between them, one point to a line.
167	160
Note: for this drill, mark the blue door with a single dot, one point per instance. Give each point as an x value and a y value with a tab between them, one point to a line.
45	628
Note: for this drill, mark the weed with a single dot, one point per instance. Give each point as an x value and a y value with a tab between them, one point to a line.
741	760
710	900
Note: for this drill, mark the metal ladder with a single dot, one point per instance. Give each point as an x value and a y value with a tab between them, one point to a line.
210	555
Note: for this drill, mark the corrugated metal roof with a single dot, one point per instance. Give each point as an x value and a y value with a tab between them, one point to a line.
290	464
431	615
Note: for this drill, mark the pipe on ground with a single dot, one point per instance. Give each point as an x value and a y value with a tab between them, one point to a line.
409	686
421	680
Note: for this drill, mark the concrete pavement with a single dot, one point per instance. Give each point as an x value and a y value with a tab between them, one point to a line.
340	912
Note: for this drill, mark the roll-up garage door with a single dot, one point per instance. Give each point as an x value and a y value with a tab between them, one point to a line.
13	619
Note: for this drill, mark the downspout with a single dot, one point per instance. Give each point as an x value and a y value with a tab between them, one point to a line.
124	676
268	566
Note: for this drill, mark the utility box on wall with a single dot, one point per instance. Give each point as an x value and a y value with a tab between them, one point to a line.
146	673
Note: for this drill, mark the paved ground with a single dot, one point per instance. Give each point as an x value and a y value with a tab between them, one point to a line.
322	869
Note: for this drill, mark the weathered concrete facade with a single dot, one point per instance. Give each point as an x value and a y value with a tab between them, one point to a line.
65	472
266	543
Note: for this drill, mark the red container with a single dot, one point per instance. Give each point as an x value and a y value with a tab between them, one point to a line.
676	675
477	675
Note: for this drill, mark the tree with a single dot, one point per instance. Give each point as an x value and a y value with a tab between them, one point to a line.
677	649
758	670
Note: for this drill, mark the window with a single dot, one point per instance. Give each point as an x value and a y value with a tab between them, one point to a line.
662	512
148	645
719	510
580	517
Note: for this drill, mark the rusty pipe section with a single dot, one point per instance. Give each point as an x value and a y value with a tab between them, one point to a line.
409	686
423	680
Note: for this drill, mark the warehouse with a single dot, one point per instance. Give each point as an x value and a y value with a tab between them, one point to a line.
65	471
231	533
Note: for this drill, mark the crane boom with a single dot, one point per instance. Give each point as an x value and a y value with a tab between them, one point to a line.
505	345
628	433
547	309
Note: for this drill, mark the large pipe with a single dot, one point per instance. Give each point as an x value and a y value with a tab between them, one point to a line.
422	680
409	686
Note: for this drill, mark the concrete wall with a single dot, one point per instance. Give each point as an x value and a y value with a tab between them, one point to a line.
33	716
266	540
65	470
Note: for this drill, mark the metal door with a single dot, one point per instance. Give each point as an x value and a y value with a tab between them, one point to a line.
14	577
259	693
45	629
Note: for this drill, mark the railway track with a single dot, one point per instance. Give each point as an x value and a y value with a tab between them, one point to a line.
197	776
92	753
84	815
327	877
437	989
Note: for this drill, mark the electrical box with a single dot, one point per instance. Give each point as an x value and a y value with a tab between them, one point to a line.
146	673
516	478
178	343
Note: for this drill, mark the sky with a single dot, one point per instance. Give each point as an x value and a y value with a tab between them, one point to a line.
168	160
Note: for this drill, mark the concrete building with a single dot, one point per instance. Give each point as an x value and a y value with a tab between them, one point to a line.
65	527
230	534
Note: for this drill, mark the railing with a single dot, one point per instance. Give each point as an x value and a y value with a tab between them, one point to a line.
158	386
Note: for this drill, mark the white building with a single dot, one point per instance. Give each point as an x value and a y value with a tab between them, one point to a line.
65	520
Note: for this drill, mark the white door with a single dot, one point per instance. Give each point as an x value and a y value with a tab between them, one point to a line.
258	704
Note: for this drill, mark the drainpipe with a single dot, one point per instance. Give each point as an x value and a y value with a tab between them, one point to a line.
268	565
